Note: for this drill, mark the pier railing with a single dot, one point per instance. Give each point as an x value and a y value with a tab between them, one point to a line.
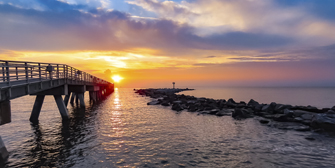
18	73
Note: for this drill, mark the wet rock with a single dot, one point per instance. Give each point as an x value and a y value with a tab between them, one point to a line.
192	108
214	111
224	112
330	112
302	128
307	116
298	113
155	102
239	113
252	103
324	110
178	101
298	119
307	108
165	103
177	107
306	122
279	108
258	107
289	112
268	116
281	117
290	126
264	121
164	161
324	121
231	103
269	108
310	138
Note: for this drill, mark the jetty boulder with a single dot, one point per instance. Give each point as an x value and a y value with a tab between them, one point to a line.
240	113
231	103
324	121
270	107
177	107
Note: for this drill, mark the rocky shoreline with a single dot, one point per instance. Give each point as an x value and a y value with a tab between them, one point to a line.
282	116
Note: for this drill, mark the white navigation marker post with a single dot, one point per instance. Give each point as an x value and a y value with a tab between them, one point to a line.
173	84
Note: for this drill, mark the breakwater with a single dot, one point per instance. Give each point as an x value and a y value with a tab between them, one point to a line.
282	116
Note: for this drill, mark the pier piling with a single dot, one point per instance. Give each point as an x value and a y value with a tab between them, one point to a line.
3	151
37	108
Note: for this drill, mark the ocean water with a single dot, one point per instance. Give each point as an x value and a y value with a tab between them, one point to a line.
319	97
123	131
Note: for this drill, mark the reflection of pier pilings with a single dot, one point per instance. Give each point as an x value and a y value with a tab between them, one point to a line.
66	144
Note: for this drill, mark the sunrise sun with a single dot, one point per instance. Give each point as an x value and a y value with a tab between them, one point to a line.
117	78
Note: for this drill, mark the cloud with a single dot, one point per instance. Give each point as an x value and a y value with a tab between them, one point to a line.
247	34
256	17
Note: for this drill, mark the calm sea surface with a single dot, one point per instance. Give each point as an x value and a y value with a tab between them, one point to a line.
123	131
319	97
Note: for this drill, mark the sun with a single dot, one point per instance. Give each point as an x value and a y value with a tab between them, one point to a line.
117	78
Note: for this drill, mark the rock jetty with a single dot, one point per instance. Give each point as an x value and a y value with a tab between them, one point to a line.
282	116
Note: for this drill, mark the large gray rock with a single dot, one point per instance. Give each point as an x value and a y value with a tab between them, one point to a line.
324	121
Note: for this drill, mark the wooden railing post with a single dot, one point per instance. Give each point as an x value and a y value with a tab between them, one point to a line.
26	71
3	73
64	76
7	73
17	74
39	71
57	72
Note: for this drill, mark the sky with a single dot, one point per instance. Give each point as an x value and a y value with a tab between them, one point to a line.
152	43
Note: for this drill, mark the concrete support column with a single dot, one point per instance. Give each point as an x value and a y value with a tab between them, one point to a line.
37	108
66	99
5	112
98	95
61	106
81	98
73	95
3	151
93	97
77	99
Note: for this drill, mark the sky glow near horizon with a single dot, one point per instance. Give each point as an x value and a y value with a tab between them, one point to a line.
151	43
